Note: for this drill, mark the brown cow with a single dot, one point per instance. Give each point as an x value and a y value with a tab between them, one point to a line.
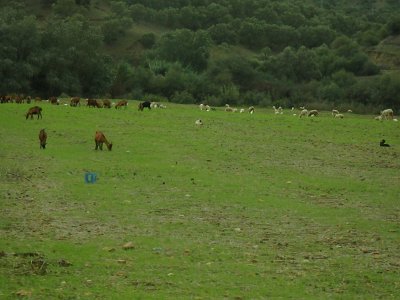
93	102
42	139
36	110
106	103
99	139
75	101
122	103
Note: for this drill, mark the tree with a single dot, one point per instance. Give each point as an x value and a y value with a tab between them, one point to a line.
222	33
191	49
20	51
72	62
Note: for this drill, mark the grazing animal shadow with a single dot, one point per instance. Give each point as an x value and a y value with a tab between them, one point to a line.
383	144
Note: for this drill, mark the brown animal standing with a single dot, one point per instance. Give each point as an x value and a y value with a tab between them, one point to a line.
93	102
75	101
42	138
36	110
106	103
99	139
122	103
54	101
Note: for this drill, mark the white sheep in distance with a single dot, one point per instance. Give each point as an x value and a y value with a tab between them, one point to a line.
339	116
228	108
241	110
387	114
208	108
378	118
199	122
303	113
334	112
313	113
201	106
251	109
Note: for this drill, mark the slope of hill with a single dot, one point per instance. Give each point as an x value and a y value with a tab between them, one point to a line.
387	53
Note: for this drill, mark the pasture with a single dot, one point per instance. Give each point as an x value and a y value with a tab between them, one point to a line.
244	207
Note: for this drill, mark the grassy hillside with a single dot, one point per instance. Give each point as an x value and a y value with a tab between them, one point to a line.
246	206
387	53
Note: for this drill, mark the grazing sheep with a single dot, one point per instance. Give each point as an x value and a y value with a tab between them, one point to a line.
251	109
349	111
313	113
395	120
278	110
241	110
229	109
383	144
208	108
201	106
303	113
334	112
339	116
378	118
387	114
199	122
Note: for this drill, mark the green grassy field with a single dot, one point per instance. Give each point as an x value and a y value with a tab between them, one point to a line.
245	207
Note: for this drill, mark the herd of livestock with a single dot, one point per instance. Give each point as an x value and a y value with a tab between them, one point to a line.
100	138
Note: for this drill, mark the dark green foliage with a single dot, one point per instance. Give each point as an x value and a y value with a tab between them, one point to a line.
239	51
148	40
393	26
191	49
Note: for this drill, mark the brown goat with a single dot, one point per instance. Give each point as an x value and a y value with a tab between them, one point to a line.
106	103
54	100
36	110
94	103
122	103
75	101
99	139
42	139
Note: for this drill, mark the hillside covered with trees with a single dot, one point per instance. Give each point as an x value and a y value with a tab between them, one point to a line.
325	53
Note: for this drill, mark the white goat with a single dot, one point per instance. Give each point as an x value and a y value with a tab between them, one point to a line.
339	116
387	114
334	112
313	113
303	113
